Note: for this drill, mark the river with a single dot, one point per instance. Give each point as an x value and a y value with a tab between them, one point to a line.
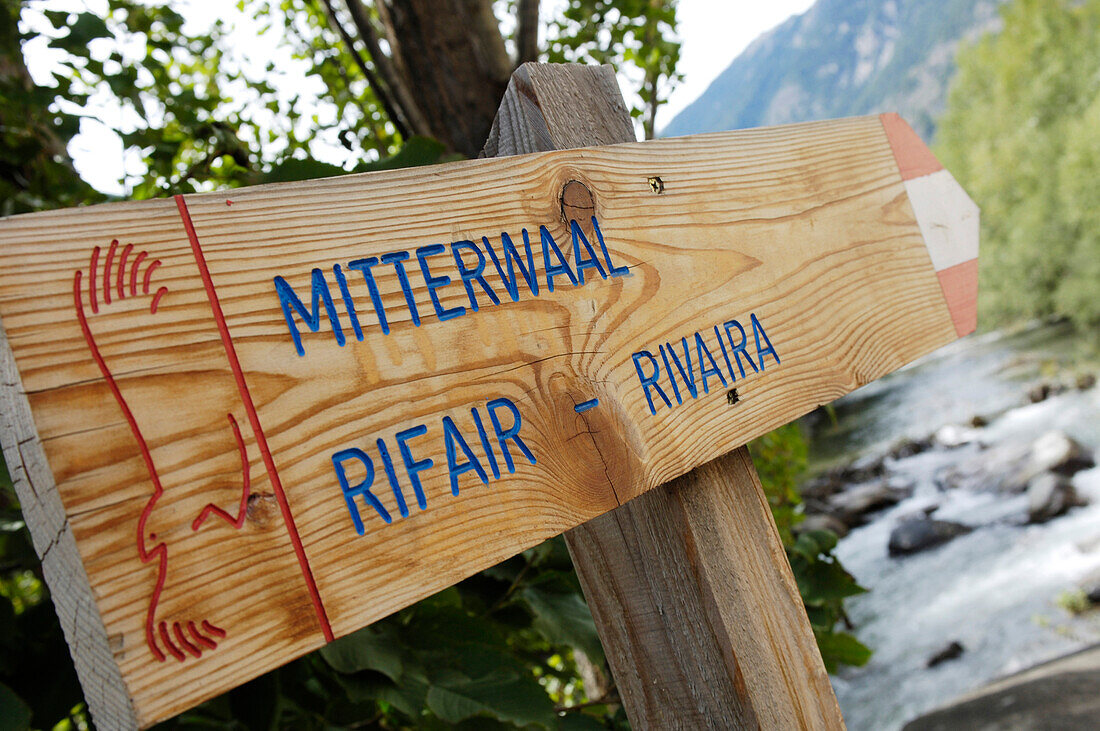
994	590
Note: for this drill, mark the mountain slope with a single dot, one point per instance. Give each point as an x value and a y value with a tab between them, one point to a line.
842	58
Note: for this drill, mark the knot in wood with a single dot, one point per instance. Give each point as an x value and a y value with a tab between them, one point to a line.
261	509
578	203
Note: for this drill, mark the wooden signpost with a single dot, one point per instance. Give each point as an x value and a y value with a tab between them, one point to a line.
244	423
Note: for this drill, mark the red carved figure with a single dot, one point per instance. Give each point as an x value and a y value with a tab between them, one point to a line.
112	278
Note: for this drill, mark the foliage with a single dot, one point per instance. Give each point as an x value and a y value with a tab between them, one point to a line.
199	118
1020	134
639	33
37	681
35	170
512	646
1074	601
780	460
495	651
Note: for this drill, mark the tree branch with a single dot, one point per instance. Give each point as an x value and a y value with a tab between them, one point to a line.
484	28
527	31
395	83
393	110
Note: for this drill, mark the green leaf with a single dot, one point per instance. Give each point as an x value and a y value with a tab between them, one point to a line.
579	722
823	581
439	628
5	476
407	695
826	540
841	648
506	696
254	704
564	619
86	28
415	152
365	649
293	170
15	715
821	617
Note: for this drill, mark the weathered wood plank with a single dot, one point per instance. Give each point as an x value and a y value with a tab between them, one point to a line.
72	595
180	393
689	584
192	446
698	610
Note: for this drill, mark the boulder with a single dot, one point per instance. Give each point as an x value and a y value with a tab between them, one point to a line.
866	468
822	521
984	470
1043	391
836	479
953	435
923	511
919	534
1060	694
852	505
1038	392
1090	585
909	448
1048	496
1086	381
1057	452
950	651
821	486
1053	452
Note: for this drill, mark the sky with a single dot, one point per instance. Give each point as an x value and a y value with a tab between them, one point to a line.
713	33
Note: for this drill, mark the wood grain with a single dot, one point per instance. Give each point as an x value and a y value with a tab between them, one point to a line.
808	227
180	390
698	610
70	590
689	585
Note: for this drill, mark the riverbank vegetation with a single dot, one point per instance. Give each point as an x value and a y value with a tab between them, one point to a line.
1022	134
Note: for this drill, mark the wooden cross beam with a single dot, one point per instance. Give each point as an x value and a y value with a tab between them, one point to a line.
243	423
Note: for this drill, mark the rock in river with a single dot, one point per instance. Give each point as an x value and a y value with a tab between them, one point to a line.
1052	452
1090	585
822	521
953	435
950	651
1059	453
851	506
1048	496
909	448
918	534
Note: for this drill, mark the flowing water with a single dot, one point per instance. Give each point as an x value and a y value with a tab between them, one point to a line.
994	590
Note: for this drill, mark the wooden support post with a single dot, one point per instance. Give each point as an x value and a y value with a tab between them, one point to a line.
689	584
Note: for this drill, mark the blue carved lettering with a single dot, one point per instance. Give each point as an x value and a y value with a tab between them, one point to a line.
312	317
650	381
362	489
512	432
451	437
435	283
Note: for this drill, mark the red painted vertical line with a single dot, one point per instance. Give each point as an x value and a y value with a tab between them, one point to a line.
253	419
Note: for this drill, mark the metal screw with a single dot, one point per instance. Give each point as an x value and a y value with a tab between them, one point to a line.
731	397
656	185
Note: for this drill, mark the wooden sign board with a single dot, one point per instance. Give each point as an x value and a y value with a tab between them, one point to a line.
245	423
